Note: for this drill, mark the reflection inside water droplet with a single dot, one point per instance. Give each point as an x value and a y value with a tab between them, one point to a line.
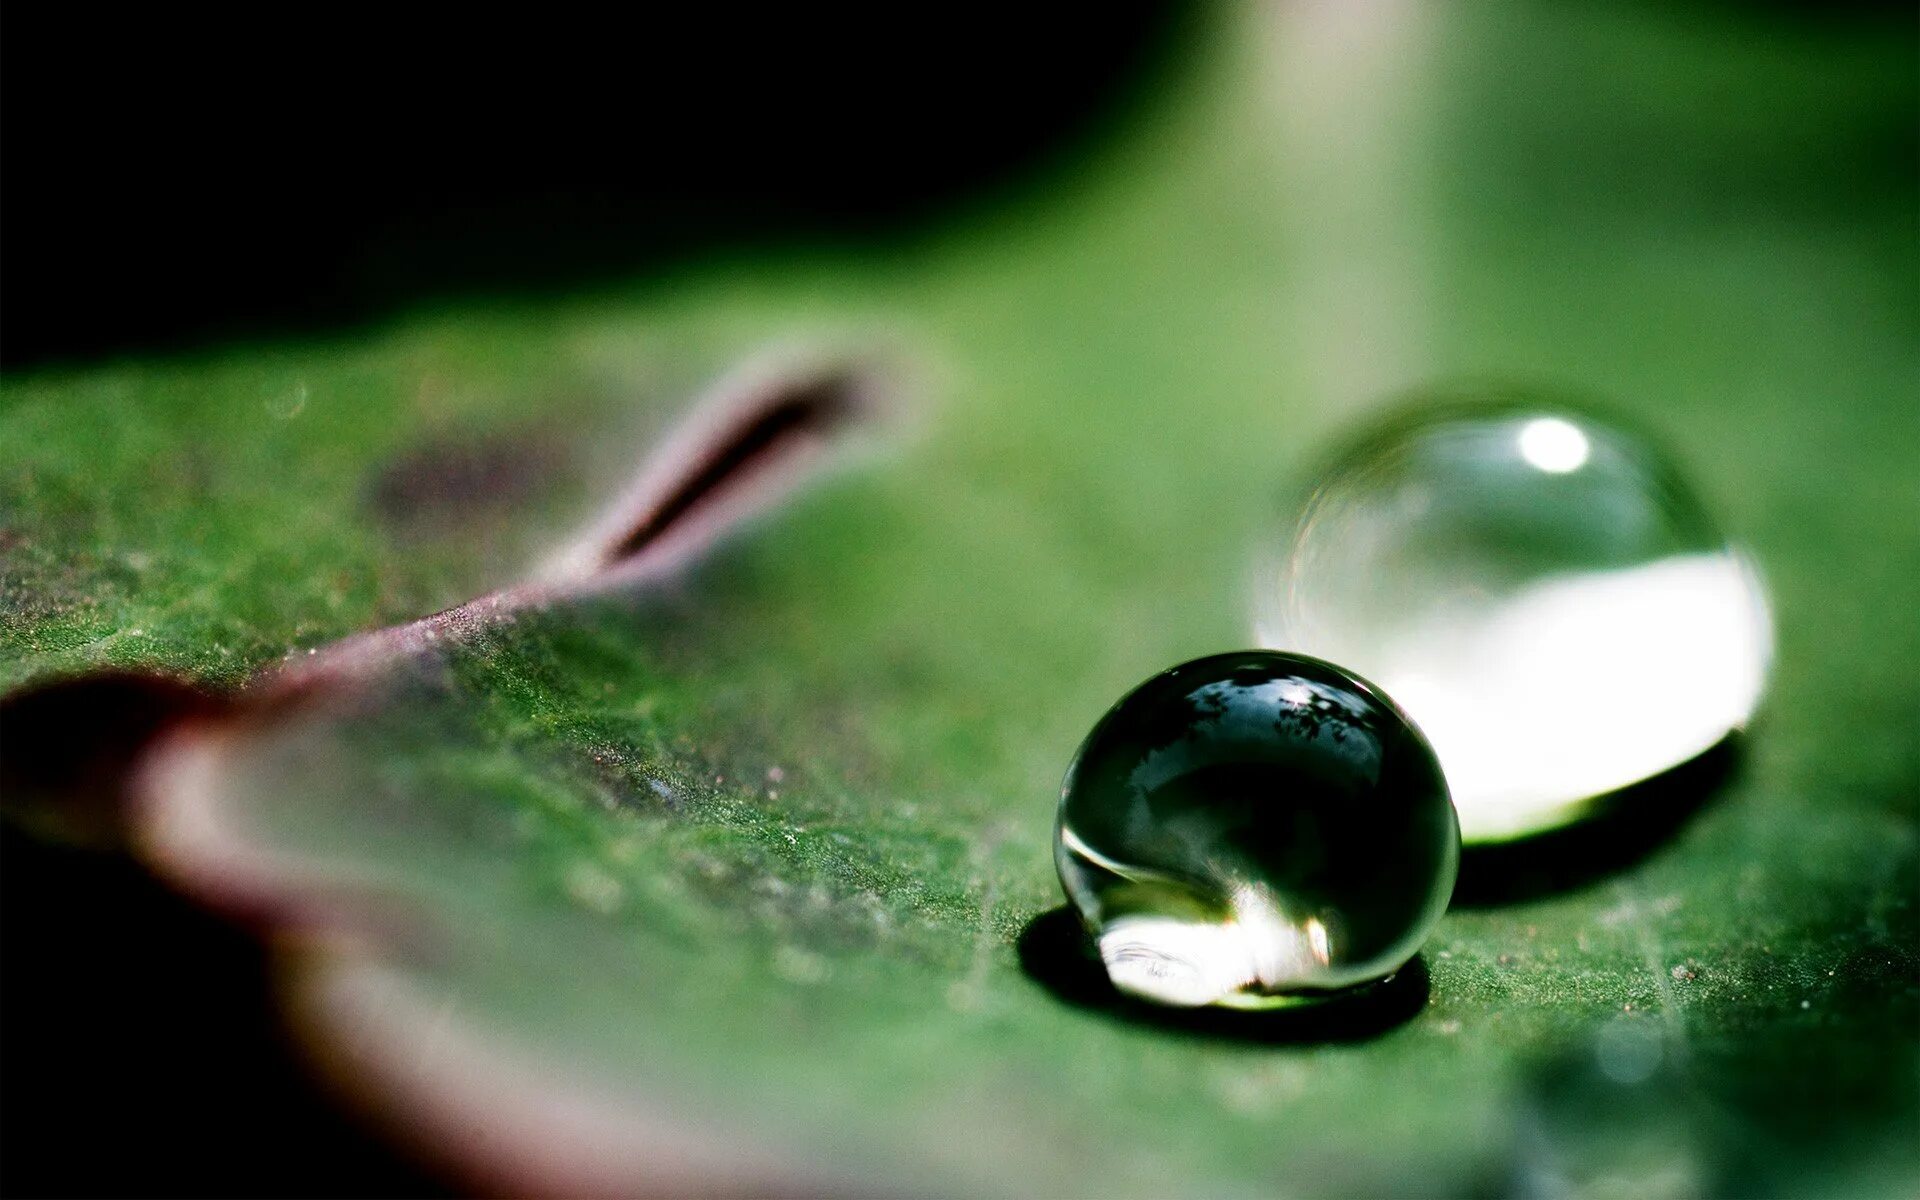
1541	592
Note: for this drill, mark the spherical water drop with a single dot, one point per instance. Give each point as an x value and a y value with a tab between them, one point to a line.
1255	829
1543	593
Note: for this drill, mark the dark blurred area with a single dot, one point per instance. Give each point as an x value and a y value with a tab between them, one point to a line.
174	176
175	179
144	1054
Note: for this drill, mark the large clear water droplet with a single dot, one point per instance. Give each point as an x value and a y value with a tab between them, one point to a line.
1540	589
1255	829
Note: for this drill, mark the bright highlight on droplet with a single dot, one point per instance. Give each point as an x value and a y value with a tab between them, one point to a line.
1554	445
1540	591
1584	682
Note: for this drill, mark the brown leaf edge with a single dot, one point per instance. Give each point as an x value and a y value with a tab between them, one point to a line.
474	1108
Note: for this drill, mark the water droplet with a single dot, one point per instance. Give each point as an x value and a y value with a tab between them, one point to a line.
1622	1115
1627	1051
288	403
1543	593
1255	829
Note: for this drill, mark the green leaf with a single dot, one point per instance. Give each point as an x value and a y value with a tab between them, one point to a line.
722	877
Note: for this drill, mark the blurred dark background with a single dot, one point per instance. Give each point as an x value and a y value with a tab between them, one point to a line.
175	179
176	175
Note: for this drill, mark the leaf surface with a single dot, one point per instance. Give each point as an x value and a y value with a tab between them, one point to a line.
724	876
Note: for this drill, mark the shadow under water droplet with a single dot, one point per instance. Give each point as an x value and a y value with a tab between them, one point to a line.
1623	828
1056	953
